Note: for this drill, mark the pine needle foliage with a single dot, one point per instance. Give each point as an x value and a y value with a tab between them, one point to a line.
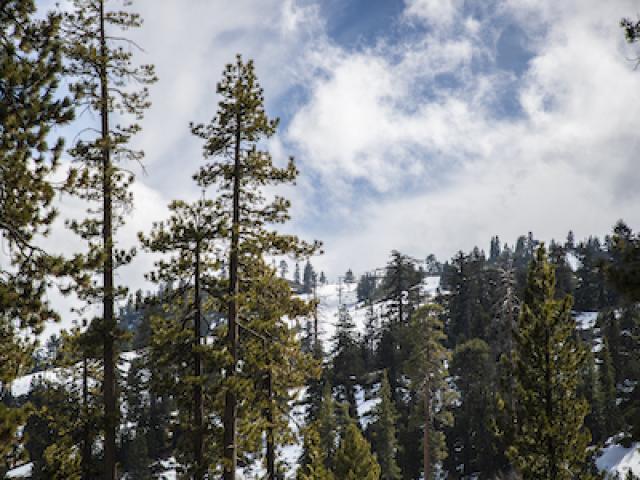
354	460
31	106
551	442
385	441
240	170
100	67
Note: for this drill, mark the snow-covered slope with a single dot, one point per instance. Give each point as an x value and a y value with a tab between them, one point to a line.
616	459
332	295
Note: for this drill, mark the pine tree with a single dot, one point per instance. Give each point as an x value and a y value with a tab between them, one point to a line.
623	269
346	365
354	460
313	465
470	304
385	443
240	171
190	236
472	442
494	251
327	426
608	391
590	389
296	274
284	268
308	278
552	440
31	106
427	371
64	428
101	70
274	366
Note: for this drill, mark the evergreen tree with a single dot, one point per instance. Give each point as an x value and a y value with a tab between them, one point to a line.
346	365
240	170
623	269
370	338
607	386
354	460
327	426
323	278
366	287
470	304
63	430
590	389
591	291
631	29
313	464
284	268
494	251
385	443
101	70
296	274
31	106
274	366
471	439
308	278
349	277
551	442
427	371
189	236
564	274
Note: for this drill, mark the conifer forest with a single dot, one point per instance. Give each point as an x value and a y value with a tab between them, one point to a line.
311	254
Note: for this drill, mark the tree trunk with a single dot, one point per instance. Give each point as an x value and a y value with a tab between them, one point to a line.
271	446
110	411
427	424
315	315
86	441
230	408
551	451
197	371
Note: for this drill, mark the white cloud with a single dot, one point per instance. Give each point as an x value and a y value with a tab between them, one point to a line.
561	165
435	12
411	120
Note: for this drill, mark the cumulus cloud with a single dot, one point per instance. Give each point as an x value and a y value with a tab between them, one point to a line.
561	161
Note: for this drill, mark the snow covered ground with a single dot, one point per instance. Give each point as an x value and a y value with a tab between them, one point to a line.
616	459
586	320
23	471
332	295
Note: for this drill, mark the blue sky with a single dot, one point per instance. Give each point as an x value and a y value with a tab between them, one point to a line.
418	125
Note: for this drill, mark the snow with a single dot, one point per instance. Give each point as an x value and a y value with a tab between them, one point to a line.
573	261
332	295
22	385
616	459
169	467
365	407
23	471
586	320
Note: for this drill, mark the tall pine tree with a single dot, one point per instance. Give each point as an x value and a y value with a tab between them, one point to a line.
240	170
552	441
385	442
190	237
31	105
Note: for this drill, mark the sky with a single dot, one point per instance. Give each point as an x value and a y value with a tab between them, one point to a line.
425	126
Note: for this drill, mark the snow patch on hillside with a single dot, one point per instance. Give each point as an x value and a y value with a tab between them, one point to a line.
616	459
586	320
23	471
